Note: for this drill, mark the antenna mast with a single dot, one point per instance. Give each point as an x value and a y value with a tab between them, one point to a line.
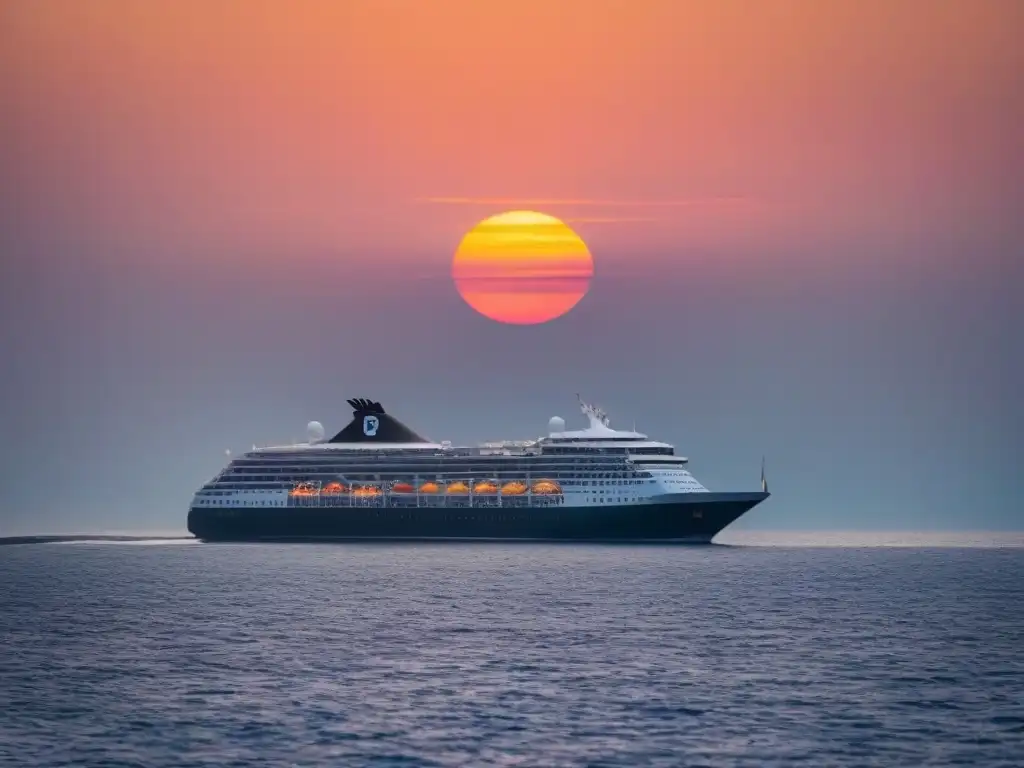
592	412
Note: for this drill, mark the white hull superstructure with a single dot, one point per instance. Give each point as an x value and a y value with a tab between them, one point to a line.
377	463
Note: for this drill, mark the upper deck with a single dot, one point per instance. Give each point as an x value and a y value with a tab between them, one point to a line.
366	459
372	433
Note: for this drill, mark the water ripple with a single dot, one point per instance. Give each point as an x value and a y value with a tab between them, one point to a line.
505	656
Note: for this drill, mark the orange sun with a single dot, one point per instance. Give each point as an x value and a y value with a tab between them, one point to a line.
522	267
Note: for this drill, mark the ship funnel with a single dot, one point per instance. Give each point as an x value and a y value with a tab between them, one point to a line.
370	424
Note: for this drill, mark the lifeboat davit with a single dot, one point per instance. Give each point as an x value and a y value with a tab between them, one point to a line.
430	487
458	487
403	488
333	489
513	488
485	486
546	486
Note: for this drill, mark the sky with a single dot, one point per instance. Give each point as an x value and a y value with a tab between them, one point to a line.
221	218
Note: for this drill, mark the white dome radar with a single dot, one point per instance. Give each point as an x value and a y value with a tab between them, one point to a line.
315	431
556	424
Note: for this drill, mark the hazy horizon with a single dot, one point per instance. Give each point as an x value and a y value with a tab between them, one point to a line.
733	536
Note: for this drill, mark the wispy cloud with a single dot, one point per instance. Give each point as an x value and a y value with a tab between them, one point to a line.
573	201
612	219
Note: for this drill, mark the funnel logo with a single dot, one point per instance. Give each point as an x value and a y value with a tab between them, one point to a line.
370	425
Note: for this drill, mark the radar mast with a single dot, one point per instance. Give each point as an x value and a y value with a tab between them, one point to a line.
596	415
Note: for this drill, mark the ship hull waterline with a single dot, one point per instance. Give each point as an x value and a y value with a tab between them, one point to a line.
680	518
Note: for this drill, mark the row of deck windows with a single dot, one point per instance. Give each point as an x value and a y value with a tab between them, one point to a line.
280	503
257	483
270	473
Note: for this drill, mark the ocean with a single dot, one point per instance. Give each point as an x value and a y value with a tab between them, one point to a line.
175	653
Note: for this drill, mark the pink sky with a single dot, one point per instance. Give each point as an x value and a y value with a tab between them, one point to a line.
656	126
220	218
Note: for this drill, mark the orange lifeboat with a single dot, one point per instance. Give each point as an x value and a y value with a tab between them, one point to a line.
366	490
333	489
513	488
458	487
430	487
403	488
546	486
485	486
304	489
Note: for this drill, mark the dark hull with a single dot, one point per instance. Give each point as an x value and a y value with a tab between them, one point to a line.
672	518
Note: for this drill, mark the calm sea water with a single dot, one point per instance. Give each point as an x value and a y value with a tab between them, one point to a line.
177	654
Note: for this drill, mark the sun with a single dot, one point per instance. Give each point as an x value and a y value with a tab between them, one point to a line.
522	267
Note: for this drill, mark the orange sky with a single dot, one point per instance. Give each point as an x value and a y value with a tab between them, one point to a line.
800	214
328	125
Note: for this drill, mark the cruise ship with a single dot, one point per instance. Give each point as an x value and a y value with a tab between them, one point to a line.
377	479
